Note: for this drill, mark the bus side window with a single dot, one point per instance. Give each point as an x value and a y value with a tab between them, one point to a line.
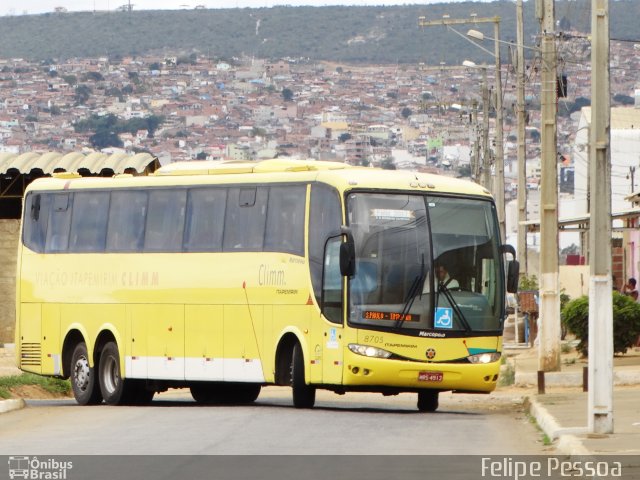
285	220
325	218
245	219
89	222
205	219
165	220
332	282
127	213
35	221
59	223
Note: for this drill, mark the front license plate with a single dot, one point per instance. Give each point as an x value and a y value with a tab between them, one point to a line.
430	376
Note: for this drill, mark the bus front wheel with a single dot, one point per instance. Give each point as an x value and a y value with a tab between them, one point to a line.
225	394
83	377
428	400
304	396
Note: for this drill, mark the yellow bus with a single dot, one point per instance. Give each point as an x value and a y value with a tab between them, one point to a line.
226	277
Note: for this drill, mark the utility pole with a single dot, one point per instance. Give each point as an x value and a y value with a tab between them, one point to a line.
521	152
600	402
486	156
549	333
475	158
498	190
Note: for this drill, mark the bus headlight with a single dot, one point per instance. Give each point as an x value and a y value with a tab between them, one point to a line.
369	351
489	357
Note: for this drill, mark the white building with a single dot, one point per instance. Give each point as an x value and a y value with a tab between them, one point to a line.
625	158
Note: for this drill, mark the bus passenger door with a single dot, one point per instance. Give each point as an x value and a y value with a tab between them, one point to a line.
333	314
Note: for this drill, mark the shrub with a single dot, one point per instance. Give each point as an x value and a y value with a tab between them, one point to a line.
626	322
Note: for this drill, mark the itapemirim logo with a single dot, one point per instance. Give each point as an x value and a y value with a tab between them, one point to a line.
33	468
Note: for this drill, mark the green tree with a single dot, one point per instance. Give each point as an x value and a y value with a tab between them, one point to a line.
388	164
343	137
406	112
201	156
70	79
134	77
103	139
82	95
153	122
93	76
529	283
626	322
287	94
464	171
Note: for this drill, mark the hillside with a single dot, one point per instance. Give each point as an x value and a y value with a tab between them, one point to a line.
387	34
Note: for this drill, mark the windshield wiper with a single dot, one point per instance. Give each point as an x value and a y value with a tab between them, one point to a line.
411	295
454	305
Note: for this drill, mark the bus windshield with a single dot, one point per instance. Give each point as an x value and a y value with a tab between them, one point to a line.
425	262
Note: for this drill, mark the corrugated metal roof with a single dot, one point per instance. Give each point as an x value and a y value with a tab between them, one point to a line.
94	162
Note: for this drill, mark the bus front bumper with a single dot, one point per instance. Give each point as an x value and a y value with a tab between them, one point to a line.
361	371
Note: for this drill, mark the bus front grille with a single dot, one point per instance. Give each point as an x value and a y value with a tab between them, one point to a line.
30	354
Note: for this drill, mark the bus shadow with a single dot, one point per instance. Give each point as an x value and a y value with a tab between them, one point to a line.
319	407
188	403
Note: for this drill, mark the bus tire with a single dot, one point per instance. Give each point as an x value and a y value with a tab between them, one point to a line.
221	394
138	392
304	396
244	394
204	394
86	388
112	384
428	400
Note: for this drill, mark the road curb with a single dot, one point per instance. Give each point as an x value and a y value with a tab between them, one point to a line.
11	404
567	442
573	379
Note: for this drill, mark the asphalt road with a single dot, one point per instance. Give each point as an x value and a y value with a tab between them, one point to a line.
356	423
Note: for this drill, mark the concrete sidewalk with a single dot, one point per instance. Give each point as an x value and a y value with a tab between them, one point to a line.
562	412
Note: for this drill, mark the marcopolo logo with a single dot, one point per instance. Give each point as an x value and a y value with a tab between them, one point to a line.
38	469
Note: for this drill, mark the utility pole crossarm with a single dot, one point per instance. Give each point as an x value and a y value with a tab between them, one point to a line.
422	22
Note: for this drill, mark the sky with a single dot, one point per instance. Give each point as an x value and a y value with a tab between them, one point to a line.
21	7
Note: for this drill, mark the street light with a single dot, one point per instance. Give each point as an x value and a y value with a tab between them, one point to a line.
498	190
478	35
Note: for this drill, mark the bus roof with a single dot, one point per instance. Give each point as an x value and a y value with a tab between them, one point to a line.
340	175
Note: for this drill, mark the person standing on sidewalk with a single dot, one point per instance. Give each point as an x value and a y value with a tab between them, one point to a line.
630	289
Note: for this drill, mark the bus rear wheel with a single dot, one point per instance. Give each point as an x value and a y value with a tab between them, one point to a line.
115	390
304	396
428	400
83	377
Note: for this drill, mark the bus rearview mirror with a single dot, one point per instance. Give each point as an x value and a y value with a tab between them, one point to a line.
513	275
347	259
